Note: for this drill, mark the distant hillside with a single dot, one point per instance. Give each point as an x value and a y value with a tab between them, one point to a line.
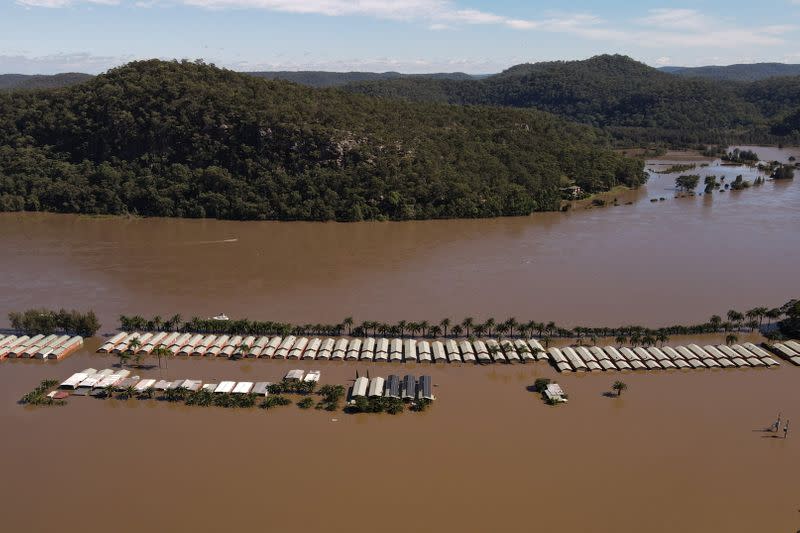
636	103
313	78
191	140
743	72
40	81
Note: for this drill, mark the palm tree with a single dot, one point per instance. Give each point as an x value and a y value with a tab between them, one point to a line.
456	330
731	339
241	351
479	330
349	323
662	337
546	340
434	331
123	358
512	323
134	345
635	338
129	392
174	322
444	324
424	326
501	329
735	316
773	314
493	350
401	327
159	352
489	325
619	386
108	391
466	324
621	339
413	328
715	321
648	340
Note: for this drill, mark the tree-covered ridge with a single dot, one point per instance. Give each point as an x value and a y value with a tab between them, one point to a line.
188	139
636	103
15	82
740	72
321	78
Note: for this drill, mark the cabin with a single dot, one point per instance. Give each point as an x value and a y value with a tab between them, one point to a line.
359	388
283	350
243	387
382	349
424	351
272	347
765	357
559	360
312	349
554	393
340	349
425	388
524	351
73	381
392	387
395	350
588	358
439	354
225	387
410	349
376	386
467	351
295	374
537	350
258	346
453	353
408	388
145	384
326	349
481	352
368	349
110	343
297	350
261	388
576	362
353	350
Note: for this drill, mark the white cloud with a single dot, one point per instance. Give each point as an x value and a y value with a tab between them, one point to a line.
664	60
22	63
64	3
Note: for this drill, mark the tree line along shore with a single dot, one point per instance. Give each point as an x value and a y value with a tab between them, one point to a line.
86	324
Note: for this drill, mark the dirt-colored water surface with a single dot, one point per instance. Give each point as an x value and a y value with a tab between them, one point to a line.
679	451
679	260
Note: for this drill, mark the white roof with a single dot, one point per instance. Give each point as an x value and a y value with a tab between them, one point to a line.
74	380
294	374
313	375
144	384
225	386
360	386
243	387
376	386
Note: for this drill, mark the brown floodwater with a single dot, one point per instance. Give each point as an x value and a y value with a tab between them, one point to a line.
679	260
679	451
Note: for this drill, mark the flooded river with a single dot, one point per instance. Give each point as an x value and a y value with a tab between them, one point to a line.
679	451
679	260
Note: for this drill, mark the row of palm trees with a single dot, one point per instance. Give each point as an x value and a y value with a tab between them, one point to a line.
468	327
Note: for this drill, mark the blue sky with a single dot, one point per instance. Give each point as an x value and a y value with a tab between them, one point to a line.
476	36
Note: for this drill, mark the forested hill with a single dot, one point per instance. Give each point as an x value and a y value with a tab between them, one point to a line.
743	72
189	139
9	82
314	78
634	102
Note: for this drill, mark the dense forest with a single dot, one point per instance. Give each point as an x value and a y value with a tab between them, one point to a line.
316	78
189	139
637	104
13	82
740	72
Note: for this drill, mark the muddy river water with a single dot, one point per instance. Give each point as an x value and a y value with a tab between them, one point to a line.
679	451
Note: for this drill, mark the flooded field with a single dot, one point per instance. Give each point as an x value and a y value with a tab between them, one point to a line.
679	451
